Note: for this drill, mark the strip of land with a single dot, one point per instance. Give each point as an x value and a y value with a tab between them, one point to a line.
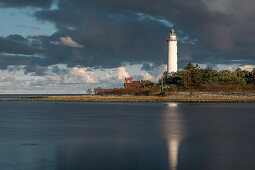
194	97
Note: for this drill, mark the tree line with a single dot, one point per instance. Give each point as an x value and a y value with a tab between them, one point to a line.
193	77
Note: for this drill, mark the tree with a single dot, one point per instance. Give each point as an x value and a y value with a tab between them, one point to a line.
253	76
210	76
98	91
226	76
189	66
89	91
193	76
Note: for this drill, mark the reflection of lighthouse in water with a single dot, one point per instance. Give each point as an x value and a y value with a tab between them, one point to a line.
174	134
173	147
172	52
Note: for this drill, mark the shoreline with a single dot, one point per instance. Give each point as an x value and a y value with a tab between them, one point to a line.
187	97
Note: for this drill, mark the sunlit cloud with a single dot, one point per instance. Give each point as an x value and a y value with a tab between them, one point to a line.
247	67
67	41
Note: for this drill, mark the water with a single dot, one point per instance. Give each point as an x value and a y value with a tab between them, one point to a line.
19	96
126	136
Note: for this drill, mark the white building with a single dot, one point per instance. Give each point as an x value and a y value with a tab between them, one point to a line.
172	52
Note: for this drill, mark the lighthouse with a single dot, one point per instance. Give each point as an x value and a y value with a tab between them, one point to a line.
172	52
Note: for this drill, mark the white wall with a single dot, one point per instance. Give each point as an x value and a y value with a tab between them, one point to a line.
172	56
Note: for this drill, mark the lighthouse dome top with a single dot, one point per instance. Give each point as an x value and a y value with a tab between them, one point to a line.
172	36
172	32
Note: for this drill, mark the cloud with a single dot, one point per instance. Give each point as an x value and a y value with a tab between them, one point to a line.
203	21
67	41
16	44
51	78
61	79
11	83
229	69
118	75
247	67
35	69
35	27
7	60
116	32
21	25
30	27
115	75
26	3
144	76
78	75
111	40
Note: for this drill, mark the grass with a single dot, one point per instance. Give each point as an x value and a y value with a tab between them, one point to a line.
193	99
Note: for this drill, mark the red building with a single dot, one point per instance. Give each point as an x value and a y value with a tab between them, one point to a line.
129	83
128	79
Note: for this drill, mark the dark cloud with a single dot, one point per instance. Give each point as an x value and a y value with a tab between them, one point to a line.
12	60
17	38
211	20
14	68
16	44
114	32
15	51
109	40
111	29
35	69
26	3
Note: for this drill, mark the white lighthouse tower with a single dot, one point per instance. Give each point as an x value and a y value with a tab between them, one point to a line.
172	52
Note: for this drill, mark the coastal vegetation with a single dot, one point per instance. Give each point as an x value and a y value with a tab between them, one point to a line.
195	78
191	79
192	84
201	97
152	89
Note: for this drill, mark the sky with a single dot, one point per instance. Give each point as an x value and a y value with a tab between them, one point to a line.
68	46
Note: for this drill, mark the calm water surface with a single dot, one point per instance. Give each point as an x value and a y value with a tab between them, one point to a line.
126	136
19	96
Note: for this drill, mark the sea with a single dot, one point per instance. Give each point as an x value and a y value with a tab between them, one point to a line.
126	136
21	96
